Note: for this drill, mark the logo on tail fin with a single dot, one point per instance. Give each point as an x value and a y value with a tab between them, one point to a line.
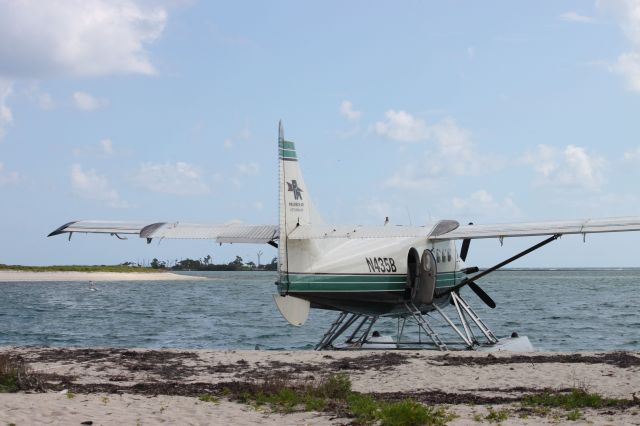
293	187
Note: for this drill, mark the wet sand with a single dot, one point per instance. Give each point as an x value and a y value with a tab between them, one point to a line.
128	386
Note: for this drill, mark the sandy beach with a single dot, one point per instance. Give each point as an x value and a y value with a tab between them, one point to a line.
124	386
17	276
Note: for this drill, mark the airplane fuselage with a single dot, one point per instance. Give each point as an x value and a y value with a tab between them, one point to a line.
364	275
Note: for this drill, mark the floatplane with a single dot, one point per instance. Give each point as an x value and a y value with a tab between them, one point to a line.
410	273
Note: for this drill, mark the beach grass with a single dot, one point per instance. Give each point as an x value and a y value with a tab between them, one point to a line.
207	397
496	416
8	375
77	268
16	376
572	400
334	394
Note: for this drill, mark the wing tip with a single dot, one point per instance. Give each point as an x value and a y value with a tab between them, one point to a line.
61	230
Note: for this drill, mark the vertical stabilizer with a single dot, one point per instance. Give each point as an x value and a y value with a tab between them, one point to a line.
294	202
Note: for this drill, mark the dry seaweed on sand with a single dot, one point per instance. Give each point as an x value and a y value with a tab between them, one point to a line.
619	359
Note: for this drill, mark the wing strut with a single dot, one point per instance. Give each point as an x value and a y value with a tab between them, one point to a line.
470	281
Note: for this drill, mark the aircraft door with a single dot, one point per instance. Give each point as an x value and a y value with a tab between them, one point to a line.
413	274
426	284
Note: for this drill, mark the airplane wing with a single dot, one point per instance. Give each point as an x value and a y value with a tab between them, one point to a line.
450	230
230	233
584	226
304	232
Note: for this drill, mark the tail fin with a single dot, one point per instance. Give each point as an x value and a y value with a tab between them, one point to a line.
295	204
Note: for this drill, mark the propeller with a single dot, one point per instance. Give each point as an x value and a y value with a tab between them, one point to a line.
482	295
464	250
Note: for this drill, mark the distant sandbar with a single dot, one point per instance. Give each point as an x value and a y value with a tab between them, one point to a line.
15	276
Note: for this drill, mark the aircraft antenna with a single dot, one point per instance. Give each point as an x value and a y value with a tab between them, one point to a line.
409	214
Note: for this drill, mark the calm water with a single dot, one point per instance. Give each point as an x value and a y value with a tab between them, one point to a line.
559	311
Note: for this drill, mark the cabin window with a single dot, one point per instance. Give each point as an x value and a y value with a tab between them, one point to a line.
448	255
438	258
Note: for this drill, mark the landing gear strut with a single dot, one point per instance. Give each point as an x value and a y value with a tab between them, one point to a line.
467	321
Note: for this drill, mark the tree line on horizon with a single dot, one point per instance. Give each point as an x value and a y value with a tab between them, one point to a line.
205	264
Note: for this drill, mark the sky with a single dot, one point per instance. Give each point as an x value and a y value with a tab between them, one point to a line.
483	112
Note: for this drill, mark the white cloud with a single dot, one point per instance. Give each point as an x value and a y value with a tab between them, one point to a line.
628	65
482	204
6	116
107	146
245	132
401	126
86	102
243	135
571	168
632	154
378	210
346	110
454	154
628	15
104	148
91	186
248	169
77	37
576	17
43	99
412	176
172	178
471	52
8	178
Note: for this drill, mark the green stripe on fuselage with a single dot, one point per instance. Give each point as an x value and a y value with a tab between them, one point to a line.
359	283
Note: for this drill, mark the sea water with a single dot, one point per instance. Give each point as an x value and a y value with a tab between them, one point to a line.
578	310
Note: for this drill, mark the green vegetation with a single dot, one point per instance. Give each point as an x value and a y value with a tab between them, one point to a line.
15	376
334	394
205	264
77	268
364	408
496	416
577	398
8	375
571	402
574	415
208	398
409	412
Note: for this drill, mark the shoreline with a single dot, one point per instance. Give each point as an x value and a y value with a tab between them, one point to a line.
20	276
466	384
